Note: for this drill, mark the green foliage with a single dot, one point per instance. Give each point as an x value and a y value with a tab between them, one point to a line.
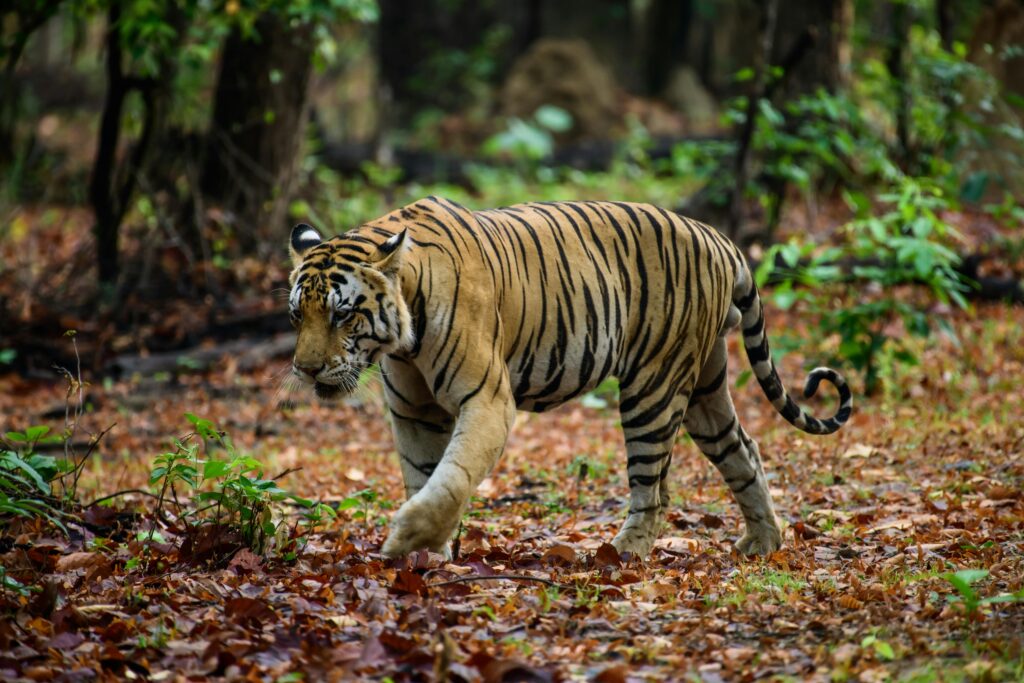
455	77
9	584
967	596
907	243
530	140
604	393
228	491
337	203
899	236
881	648
366	505
28	479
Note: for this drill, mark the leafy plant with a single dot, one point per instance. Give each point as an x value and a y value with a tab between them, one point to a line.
365	503
605	393
27	478
530	140
907	244
230	492
881	648
10	584
967	596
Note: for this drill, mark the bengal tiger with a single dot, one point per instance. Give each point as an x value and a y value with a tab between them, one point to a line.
474	314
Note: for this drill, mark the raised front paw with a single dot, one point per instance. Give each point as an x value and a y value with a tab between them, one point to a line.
760	540
417	527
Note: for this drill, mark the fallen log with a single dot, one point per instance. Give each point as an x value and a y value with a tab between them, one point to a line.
249	353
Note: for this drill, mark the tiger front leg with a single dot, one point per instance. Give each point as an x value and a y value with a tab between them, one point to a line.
430	517
421	438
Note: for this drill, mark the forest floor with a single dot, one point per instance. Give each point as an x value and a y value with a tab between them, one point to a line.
925	480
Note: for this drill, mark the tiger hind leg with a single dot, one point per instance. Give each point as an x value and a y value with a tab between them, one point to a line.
712	423
649	442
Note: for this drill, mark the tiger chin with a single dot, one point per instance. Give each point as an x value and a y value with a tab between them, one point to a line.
475	314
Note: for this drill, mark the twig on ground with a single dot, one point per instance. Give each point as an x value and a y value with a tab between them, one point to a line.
121	493
498	577
288	471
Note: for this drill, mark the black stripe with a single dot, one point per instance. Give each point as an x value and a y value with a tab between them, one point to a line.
791	411
759	353
646	459
747	301
426	468
717	437
746	484
712	387
718	458
756	328
644	479
429	426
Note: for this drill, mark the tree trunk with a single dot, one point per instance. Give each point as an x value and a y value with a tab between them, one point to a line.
104	202
827	22
27	23
258	124
667	29
899	26
113	184
741	164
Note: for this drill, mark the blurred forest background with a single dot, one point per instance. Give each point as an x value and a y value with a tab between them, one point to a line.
153	153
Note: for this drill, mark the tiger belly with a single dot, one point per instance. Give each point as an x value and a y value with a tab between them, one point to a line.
547	376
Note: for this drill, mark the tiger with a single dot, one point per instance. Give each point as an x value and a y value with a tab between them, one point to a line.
473	315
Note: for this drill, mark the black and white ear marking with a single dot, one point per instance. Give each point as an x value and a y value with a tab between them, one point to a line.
388	258
393	243
305	237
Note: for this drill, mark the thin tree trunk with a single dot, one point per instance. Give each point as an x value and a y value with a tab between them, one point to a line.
10	99
945	11
258	123
101	195
741	164
896	64
112	185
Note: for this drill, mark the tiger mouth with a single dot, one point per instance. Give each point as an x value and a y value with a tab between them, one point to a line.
327	392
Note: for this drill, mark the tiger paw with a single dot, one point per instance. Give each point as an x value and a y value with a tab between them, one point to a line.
760	540
415	529
635	541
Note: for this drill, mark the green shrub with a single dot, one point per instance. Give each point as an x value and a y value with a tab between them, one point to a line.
28	479
967	595
229	492
907	243
529	140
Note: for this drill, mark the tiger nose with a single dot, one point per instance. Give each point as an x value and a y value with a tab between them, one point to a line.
311	370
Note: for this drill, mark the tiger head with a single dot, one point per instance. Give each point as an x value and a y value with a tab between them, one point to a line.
346	305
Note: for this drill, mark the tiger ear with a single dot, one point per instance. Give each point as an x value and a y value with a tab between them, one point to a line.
388	258
304	237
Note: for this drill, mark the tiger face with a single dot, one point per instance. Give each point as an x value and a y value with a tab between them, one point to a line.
346	305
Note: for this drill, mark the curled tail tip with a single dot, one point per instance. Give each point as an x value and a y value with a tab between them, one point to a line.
814	380
828	374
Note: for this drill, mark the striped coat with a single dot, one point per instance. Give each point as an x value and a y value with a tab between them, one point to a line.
474	314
